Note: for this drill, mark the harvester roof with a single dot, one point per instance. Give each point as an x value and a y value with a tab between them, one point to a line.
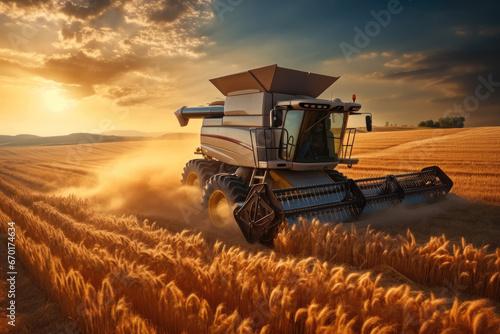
275	79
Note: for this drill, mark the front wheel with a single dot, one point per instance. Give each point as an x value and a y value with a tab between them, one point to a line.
219	196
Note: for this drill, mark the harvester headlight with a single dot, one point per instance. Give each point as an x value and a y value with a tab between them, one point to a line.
314	106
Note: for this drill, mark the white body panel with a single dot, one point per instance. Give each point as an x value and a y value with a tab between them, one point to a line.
254	121
248	104
231	145
212	122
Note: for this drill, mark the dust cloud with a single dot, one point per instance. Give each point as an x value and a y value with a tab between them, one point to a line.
147	183
406	215
454	216
146	180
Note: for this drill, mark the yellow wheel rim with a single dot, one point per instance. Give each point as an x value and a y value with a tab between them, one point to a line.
218	209
193	180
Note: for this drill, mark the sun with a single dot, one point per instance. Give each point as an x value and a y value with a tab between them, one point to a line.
55	100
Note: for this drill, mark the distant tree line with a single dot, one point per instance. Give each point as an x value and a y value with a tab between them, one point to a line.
446	122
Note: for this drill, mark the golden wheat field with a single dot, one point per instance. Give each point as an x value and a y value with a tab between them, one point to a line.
110	242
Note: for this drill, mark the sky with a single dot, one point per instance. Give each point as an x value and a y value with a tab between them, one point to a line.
96	65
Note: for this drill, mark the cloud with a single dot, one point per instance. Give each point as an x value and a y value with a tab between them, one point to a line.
72	31
481	31
450	69
375	54
11	69
83	9
93	46
78	73
406	61
490	31
172	10
129	95
84	71
77	91
462	31
26	3
448	80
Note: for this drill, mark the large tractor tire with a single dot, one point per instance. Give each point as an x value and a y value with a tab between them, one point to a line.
219	196
198	171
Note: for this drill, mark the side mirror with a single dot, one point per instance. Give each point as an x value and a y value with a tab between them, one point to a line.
276	118
368	123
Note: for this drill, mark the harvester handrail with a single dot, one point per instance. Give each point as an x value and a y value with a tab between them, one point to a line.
253	133
349	143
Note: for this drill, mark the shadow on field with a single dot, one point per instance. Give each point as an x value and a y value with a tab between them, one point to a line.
455	217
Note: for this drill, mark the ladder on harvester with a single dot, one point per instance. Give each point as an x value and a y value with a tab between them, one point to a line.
258	176
346	148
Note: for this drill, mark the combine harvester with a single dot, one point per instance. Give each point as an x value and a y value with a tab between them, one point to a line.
269	152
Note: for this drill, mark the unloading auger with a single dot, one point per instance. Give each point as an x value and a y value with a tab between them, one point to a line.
269	152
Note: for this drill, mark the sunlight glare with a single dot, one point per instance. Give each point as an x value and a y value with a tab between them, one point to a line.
55	100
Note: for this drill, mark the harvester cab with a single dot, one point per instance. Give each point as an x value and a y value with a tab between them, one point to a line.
270	151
